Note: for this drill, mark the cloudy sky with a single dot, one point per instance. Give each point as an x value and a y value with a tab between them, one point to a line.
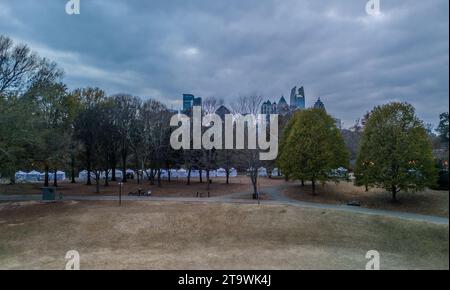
230	48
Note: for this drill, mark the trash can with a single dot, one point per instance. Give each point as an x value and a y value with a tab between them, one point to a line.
48	194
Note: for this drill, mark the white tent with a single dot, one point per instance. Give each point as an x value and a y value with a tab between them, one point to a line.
195	173
21	176
262	172
33	176
221	172
275	172
148	173
164	174
173	173
212	173
119	174
42	176
103	175
233	172
83	175
60	175
182	173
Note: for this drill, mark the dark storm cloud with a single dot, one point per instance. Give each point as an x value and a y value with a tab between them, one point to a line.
161	49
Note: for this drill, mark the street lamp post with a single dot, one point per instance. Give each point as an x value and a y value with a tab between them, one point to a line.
120	193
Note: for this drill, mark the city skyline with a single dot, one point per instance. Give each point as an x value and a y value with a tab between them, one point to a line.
351	60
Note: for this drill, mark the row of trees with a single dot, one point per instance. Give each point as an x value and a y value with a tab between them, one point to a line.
395	151
44	125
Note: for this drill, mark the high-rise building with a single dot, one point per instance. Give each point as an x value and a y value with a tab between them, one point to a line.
282	106
319	104
298	98
268	108
189	101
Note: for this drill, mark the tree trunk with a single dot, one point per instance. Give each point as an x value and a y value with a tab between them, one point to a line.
255	183
97	183
313	183
227	173
189	176
106	170
394	193
201	178
159	177
88	155
106	178
55	180
72	168
303	182
46	176
124	167
152	177
113	167
138	172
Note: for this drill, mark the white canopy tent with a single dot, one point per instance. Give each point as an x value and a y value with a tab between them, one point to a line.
84	174
212	173
33	176
173	173
195	173
164	174
221	172
20	176
275	172
182	173
262	172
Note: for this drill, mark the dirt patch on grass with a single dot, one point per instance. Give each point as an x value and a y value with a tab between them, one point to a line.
429	202
175	188
172	235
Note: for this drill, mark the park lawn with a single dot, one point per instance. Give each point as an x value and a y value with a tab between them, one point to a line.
428	202
174	188
176	235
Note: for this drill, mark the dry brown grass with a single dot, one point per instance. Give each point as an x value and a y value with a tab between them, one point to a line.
175	188
429	202
171	235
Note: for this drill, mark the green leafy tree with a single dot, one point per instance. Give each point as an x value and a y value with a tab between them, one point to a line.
18	135
395	152
86	125
311	147
442	129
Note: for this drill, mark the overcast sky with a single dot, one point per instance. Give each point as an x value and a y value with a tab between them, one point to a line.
230	48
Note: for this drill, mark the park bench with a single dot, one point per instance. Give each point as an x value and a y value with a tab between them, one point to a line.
140	193
200	194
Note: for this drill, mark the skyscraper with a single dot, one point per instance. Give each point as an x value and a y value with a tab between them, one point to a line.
282	106
319	104
298	98
189	101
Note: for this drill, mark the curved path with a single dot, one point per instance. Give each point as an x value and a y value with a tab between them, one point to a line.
276	198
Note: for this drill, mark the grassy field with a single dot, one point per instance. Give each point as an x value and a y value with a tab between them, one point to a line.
429	202
175	188
173	235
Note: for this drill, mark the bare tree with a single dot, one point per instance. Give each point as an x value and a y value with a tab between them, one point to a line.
125	114
21	69
249	158
211	104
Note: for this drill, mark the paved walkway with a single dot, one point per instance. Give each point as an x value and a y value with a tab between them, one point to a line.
276	198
